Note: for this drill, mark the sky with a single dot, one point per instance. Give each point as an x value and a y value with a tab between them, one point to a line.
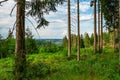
57	27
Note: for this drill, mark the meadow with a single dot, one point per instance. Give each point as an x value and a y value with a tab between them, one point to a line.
56	66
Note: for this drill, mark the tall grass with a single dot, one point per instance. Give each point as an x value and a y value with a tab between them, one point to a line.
56	66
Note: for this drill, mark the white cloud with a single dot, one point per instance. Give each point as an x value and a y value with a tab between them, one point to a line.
58	21
85	17
64	32
84	6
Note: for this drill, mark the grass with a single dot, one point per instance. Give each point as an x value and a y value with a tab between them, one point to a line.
48	66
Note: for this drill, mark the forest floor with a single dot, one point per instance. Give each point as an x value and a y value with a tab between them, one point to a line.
56	66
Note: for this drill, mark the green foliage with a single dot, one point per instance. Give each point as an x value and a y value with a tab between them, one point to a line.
86	40
74	40
20	66
31	45
82	42
7	47
49	47
10	46
37	69
56	66
110	11
38	9
106	37
6	69
92	39
65	42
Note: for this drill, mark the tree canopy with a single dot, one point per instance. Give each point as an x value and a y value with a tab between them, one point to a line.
110	12
38	8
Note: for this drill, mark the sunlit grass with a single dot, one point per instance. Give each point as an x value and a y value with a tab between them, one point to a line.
56	66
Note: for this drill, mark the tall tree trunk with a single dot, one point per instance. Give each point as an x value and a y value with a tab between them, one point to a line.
119	32
20	56
69	30
99	26
78	39
114	35
101	37
95	34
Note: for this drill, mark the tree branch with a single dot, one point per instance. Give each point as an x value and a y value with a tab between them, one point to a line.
2	2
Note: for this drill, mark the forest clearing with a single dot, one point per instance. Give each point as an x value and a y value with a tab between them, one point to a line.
59	39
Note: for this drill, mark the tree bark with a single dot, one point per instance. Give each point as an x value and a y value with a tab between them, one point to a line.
119	32
101	37
95	34
20	55
69	30
99	26
78	39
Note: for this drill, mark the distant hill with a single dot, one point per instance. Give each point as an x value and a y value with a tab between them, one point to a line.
56	41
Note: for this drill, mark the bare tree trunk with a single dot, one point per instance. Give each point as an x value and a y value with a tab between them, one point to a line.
95	35
101	39
119	32
20	56
78	45
69	30
99	26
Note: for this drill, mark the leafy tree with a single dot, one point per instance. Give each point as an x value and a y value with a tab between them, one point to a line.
3	48
49	47
106	37
74	40
10	46
31	46
7	46
1	54
92	39
110	10
74	43
82	42
87	40
65	42
10	43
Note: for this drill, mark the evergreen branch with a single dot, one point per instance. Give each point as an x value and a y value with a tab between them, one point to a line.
2	2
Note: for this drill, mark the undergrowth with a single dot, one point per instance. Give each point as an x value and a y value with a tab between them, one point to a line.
56	66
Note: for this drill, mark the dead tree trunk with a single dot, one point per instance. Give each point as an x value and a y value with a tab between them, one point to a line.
78	39
69	30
